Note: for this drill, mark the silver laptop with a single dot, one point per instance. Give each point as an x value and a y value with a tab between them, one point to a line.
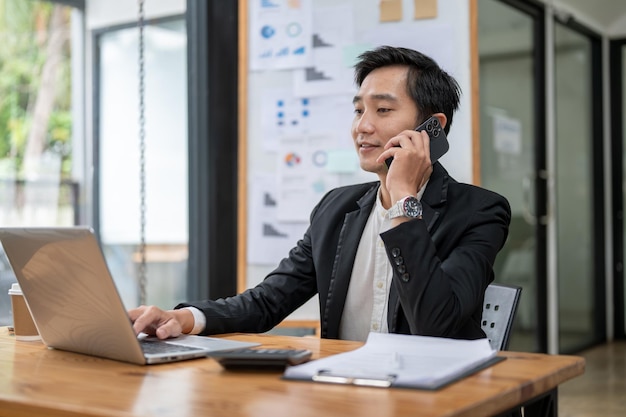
75	303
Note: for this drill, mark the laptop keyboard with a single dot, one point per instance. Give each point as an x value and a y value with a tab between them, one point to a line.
155	346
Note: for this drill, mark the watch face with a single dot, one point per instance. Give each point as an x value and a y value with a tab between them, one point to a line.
412	207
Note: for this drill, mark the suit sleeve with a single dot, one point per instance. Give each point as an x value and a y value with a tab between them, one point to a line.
441	275
262	307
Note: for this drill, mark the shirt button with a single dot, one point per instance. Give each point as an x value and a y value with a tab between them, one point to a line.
379	284
374	326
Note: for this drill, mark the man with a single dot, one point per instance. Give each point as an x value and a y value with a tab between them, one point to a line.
376	266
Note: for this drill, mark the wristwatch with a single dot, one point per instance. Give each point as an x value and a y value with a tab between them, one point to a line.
408	206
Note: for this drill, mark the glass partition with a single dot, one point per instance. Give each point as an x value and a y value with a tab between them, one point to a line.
507	148
575	139
165	159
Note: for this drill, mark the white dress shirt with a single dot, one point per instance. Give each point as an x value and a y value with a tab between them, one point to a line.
365	308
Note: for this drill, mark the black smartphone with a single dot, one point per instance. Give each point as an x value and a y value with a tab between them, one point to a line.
438	141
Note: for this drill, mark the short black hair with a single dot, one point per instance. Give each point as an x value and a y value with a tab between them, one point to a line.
432	89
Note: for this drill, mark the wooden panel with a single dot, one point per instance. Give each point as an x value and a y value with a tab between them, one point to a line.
242	160
475	91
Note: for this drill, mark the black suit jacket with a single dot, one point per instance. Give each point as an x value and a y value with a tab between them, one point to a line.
442	264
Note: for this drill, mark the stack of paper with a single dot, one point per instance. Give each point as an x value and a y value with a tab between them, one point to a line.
400	361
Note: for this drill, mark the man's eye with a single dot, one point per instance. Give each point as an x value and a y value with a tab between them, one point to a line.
358	111
383	110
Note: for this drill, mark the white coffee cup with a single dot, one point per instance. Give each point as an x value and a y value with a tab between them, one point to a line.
23	325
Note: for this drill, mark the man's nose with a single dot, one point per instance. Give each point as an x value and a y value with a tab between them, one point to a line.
364	124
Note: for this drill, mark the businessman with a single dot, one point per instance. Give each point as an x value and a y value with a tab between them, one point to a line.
410	253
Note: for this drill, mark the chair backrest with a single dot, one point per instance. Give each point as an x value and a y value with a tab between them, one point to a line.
499	312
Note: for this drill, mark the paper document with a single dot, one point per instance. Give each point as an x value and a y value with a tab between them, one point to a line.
396	360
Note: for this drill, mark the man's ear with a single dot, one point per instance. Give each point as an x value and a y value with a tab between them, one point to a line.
443	120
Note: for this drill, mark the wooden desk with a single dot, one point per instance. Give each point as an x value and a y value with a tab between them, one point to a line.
36	381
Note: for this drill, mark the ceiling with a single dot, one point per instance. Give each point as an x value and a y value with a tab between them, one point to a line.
606	17
606	14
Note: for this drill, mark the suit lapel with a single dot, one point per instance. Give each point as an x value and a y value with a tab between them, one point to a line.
433	200
349	239
435	195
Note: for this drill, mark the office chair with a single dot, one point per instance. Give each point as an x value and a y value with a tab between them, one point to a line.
499	310
498	313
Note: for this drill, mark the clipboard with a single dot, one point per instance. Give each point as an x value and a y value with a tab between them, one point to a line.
400	361
389	380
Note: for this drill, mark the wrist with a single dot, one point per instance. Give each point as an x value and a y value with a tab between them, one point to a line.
185	318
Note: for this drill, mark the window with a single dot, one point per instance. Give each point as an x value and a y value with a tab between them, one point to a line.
118	166
41	169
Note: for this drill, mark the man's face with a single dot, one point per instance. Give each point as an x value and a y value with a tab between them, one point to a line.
382	109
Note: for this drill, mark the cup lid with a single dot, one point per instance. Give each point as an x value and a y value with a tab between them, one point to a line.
15	289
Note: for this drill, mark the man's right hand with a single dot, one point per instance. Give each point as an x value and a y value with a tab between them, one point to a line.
161	323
